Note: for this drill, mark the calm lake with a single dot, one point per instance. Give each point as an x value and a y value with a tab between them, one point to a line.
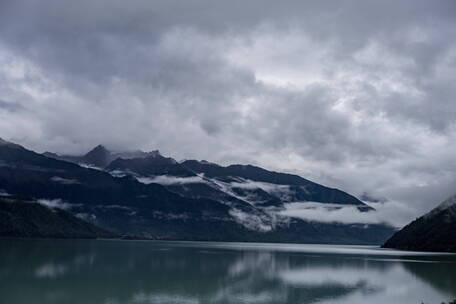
114	272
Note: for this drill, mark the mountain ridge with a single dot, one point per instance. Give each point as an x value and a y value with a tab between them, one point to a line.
189	207
435	231
122	162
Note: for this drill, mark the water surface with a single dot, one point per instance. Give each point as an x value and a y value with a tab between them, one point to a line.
117	272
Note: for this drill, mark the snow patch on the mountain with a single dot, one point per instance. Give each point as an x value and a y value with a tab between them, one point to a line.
224	187
282	192
170	180
250	221
89	166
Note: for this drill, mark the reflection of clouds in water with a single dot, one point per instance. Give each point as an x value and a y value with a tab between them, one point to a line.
50	270
245	279
144	298
251	262
321	249
314	276
132	272
398	286
357	282
53	270
253	279
231	295
84	259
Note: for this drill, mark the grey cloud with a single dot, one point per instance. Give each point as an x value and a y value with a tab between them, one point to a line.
10	106
354	94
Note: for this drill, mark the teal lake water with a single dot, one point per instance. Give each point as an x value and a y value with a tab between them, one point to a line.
117	272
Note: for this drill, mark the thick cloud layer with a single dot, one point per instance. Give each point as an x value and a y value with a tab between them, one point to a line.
355	94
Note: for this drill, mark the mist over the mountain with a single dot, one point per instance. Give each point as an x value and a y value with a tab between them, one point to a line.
133	197
354	95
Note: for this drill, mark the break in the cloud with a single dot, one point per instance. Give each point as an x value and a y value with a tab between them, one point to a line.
355	94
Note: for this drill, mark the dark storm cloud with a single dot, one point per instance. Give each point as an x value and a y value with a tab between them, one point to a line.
355	94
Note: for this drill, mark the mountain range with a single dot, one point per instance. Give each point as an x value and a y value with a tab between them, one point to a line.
148	195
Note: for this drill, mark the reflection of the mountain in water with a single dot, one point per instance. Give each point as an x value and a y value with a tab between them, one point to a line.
441	276
149	272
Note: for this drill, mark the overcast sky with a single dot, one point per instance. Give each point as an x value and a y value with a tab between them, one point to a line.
358	95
